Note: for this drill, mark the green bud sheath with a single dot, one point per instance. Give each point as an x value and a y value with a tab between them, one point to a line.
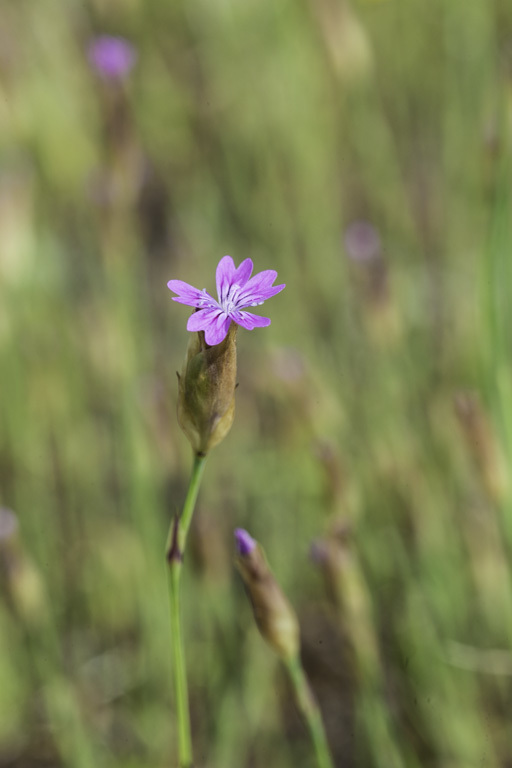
206	401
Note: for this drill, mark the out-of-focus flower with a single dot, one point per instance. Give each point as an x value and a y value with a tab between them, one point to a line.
362	242
338	559
335	481
8	525
332	554
112	57
372	278
236	291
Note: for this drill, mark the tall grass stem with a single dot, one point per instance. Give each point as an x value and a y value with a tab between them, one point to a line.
175	549
311	712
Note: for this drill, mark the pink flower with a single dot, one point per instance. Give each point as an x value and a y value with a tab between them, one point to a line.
236	290
111	57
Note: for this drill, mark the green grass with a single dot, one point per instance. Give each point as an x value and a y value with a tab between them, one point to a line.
257	129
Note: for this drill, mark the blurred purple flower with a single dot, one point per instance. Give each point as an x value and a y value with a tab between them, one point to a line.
236	290
318	551
244	542
8	524
362	242
111	57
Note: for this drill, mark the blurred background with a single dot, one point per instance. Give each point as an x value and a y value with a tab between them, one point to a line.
364	151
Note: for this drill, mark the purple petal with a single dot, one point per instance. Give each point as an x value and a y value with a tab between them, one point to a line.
261	279
249	321
217	329
259	288
183	289
202	320
189	295
224	276
257	297
244	542
243	273
206	302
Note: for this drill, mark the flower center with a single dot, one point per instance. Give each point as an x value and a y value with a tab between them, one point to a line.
229	303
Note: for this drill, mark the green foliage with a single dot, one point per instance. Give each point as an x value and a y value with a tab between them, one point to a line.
265	130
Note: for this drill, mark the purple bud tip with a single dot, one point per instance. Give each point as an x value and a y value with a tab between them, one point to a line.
244	542
111	57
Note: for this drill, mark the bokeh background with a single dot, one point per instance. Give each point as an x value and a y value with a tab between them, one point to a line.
364	151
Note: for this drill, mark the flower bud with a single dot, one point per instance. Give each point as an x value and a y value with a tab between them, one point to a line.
275	617
206	398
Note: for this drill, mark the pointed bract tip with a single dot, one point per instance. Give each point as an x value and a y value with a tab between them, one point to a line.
244	542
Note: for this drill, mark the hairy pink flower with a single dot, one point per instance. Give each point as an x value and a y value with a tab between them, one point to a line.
237	290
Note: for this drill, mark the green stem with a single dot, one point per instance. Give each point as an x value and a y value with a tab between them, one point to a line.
175	549
310	709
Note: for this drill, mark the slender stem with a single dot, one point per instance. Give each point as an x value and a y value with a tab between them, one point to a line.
175	549
311	711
